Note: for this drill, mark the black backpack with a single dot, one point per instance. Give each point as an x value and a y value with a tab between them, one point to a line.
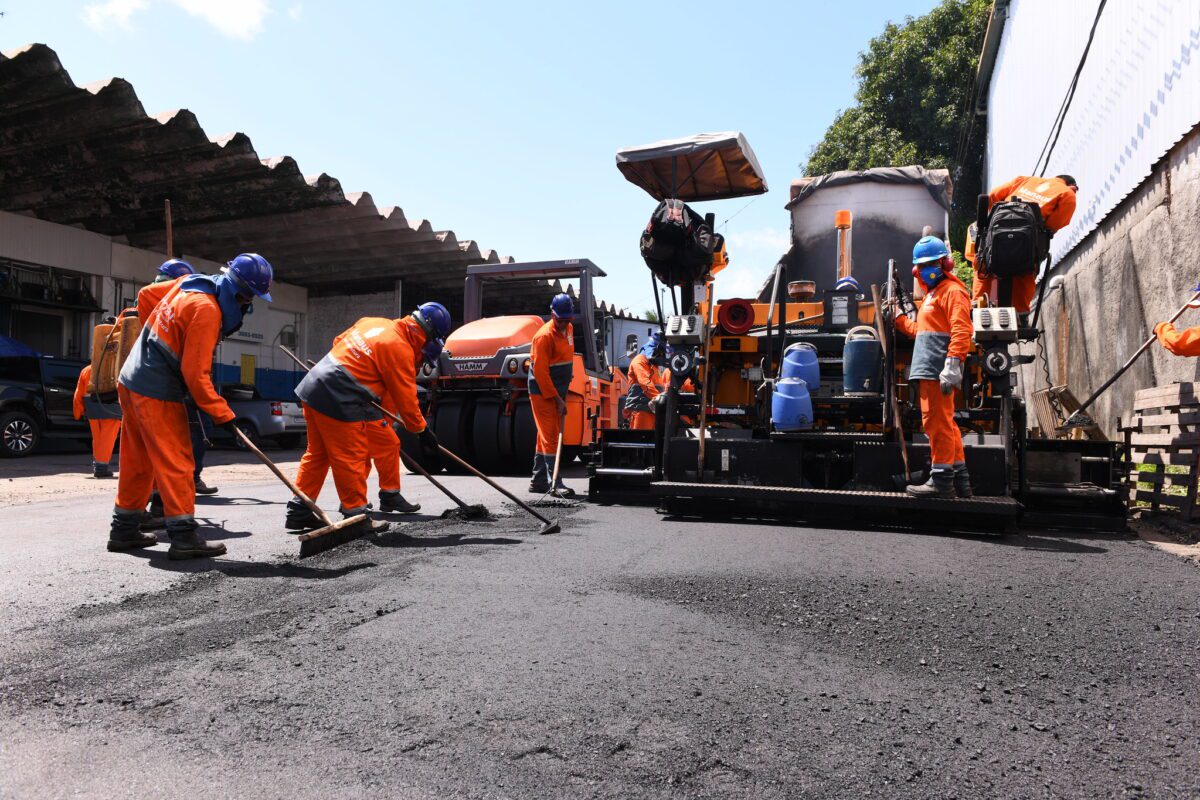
1016	240
677	245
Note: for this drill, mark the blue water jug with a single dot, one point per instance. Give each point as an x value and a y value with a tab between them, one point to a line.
800	361
791	406
862	362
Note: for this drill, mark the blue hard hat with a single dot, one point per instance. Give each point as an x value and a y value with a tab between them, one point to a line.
929	248
434	319
252	273
847	282
561	306
653	344
175	268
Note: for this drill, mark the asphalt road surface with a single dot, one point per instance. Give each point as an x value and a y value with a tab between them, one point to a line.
629	656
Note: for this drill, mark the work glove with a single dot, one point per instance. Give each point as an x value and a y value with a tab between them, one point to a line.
951	375
658	400
429	445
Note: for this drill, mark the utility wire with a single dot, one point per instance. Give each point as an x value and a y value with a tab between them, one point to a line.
1056	129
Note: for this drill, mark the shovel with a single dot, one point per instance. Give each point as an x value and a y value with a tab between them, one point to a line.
324	538
1080	420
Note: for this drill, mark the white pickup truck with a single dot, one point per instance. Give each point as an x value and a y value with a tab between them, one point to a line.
261	420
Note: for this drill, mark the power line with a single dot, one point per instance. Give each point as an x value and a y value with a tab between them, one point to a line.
1056	128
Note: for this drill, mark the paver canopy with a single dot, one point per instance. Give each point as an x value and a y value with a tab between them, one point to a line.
707	166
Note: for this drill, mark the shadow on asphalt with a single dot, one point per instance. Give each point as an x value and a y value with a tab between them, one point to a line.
449	540
214	500
157	558
1064	542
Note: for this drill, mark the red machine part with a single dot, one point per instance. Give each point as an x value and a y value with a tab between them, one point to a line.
736	316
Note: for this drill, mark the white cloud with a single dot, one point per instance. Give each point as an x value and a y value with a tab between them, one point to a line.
237	19
739	281
295	12
759	240
101	16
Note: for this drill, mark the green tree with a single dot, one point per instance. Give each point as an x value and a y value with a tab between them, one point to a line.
650	315
914	102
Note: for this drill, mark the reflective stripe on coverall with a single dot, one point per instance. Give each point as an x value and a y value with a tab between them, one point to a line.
104	428
1057	203
373	359
173	354
552	357
942	330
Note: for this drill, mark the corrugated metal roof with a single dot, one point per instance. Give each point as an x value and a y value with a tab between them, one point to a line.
91	157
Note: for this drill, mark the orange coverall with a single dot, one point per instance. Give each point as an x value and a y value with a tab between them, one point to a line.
157	448
549	350
1057	203
942	330
654	380
383	446
378	355
1178	343
104	431
148	297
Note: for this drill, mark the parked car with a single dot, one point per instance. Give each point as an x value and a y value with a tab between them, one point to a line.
276	420
36	397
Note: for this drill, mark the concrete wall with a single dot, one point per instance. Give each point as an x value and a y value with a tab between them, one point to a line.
1136	269
330	315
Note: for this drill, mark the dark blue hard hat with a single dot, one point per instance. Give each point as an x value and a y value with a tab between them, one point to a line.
253	274
434	319
561	306
176	268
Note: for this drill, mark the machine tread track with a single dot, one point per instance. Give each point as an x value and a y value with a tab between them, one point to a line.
993	513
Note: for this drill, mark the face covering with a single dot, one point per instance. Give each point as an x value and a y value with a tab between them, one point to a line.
225	290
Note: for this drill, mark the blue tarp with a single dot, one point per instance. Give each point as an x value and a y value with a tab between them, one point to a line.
10	348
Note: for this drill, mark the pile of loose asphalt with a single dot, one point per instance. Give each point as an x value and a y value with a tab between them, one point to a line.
629	656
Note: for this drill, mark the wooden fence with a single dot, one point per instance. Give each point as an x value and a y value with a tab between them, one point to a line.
1163	440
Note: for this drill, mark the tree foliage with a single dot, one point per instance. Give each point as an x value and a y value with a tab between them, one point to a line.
915	83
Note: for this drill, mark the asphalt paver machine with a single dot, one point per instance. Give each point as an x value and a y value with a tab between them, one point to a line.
846	458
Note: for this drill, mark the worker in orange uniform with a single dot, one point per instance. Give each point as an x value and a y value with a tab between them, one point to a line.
374	359
1179	343
552	354
200	425
942	332
103	418
383	447
1055	197
172	360
647	380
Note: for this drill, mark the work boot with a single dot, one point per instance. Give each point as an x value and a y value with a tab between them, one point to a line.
962	481
186	543
154	518
204	488
124	533
368	524
100	470
940	485
394	502
300	517
541	478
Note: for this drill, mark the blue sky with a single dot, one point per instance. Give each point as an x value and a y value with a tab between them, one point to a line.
499	121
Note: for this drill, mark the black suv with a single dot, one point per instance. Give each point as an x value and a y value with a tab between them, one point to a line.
36	399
